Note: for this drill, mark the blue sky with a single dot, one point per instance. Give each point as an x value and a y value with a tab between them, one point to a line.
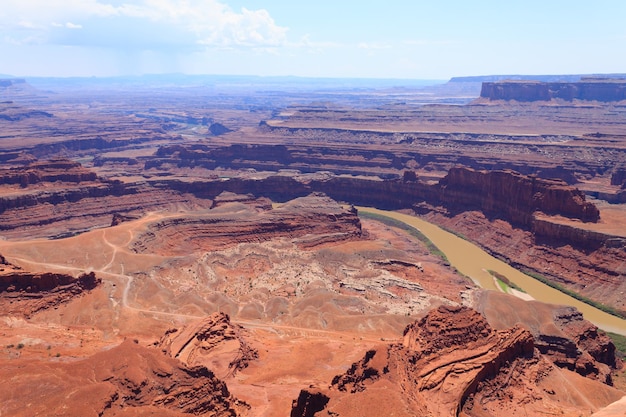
365	39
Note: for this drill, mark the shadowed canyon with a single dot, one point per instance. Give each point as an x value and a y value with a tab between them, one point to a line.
222	247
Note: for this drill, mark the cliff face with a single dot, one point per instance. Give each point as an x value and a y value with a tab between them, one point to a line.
587	89
308	220
619	177
561	333
450	363
213	342
25	293
47	171
514	196
128	380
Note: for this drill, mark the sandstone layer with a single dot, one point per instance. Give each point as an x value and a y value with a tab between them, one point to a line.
213	342
24	293
588	89
453	363
127	379
314	220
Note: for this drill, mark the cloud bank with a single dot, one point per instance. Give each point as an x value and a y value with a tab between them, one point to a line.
138	24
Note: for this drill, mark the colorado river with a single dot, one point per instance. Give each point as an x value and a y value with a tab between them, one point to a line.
474	262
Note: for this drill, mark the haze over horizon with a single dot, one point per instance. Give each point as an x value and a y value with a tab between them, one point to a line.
393	39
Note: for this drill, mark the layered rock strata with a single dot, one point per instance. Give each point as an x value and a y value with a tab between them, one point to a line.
25	293
514	196
561	333
213	342
47	171
450	363
588	89
311	221
126	380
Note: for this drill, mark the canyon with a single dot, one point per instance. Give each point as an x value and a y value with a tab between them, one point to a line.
205	237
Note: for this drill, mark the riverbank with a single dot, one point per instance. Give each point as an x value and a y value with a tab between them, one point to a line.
474	262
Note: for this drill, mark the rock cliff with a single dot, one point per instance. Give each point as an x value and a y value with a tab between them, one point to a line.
513	196
213	342
451	363
561	333
25	293
128	380
47	171
588	89
309	221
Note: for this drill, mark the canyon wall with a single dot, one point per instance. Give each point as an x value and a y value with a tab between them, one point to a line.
588	89
513	196
47	171
23	293
504	198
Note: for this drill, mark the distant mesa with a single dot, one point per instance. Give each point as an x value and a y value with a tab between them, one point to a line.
587	89
17	88
4	83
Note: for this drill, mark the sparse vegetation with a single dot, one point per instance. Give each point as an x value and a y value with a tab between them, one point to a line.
455	233
620	343
603	307
432	248
505	283
20	345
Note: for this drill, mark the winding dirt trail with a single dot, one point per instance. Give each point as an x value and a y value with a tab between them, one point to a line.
117	246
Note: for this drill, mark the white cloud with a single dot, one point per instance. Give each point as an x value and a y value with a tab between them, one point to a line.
139	23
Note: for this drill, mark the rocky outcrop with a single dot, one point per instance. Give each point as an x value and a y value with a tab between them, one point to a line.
443	358
213	342
619	177
588	89
47	171
561	333
309	402
26	293
126	380
546	230
309	221
513	196
226	197
217	129
586	336
450	363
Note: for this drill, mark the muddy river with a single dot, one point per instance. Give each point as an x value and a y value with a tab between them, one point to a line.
474	262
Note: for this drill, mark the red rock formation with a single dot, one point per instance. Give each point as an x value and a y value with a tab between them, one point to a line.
604	90
213	342
561	333
514	196
452	363
619	177
125	380
48	171
311	221
226	197
25	293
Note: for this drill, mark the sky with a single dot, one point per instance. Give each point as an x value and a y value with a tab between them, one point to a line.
413	39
